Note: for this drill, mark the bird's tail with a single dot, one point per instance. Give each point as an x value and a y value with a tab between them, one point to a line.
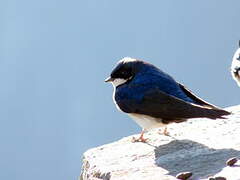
214	113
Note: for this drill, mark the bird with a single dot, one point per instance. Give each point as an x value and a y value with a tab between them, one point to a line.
235	67
153	98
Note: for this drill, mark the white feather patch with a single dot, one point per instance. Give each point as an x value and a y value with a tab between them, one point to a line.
118	82
146	122
236	64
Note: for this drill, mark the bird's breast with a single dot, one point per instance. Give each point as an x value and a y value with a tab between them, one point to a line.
235	70
114	99
126	98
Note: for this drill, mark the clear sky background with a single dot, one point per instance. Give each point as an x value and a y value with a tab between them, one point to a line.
55	55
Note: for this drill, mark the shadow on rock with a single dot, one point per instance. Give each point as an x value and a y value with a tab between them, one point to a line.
185	155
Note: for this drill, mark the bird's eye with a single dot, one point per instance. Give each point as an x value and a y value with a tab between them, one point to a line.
238	58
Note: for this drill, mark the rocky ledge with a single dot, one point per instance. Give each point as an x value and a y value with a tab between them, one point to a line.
200	146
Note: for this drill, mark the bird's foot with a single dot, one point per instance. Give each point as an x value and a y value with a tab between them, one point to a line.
165	132
140	139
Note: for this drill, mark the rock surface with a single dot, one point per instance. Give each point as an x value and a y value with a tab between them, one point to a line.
201	146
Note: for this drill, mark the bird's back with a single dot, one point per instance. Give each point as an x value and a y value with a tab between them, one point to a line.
155	78
155	93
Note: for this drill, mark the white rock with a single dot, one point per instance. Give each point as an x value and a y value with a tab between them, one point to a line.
201	146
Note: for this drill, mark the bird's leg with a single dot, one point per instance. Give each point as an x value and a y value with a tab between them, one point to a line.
165	132
141	138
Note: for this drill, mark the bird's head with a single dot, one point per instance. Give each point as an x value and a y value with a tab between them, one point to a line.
125	70
235	67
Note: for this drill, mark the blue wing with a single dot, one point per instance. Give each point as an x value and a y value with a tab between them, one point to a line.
161	96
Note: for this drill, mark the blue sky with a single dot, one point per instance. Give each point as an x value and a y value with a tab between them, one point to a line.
55	56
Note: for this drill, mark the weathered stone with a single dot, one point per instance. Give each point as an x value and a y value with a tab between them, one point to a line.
232	161
201	146
184	175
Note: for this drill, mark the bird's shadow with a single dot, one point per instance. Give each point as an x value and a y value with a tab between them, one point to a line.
186	155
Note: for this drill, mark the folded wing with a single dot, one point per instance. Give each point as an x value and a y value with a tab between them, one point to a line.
169	108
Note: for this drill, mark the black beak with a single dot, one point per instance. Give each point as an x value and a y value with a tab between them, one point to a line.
236	70
109	79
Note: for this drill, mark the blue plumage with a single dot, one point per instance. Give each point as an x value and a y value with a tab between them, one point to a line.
150	77
153	98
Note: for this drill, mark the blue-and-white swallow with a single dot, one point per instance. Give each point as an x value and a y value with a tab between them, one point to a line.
153	98
235	67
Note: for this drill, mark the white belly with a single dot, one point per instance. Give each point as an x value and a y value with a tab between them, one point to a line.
236	64
146	122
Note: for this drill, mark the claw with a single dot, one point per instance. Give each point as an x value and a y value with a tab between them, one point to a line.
140	139
165	132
